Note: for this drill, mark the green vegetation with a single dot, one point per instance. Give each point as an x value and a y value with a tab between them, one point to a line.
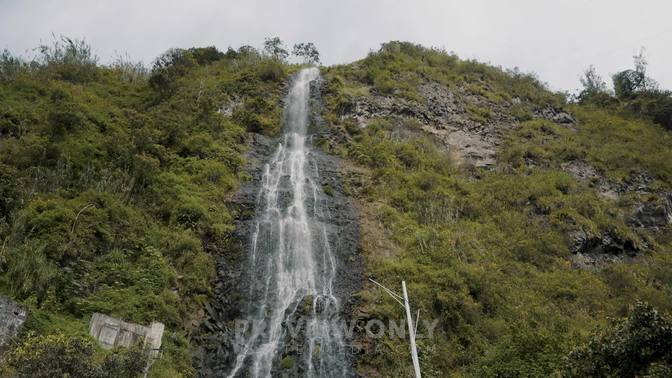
71	356
634	94
487	251
113	188
275	48
399	67
615	146
287	362
639	345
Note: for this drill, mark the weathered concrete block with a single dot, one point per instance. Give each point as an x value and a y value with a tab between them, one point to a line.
111	332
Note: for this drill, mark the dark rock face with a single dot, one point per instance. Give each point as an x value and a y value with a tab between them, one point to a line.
594	252
216	351
606	243
584	171
653	214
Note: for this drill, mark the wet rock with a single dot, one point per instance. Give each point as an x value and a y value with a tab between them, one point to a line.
216	339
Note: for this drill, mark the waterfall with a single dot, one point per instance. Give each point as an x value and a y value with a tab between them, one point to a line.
291	262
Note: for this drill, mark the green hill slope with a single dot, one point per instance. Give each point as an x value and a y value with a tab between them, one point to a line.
113	185
496	251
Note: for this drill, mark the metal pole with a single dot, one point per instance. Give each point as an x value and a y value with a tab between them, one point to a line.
411	332
411	329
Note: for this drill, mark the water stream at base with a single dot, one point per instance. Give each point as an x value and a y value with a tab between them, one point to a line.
291	260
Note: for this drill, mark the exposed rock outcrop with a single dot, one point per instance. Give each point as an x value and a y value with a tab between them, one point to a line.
653	214
447	114
555	115
594	252
441	113
12	317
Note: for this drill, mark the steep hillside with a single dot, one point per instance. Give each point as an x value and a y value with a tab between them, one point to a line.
113	190
519	221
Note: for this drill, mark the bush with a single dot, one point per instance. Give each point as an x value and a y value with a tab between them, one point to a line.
630	347
10	66
58	355
271	70
128	70
70	59
28	271
169	67
654	105
259	115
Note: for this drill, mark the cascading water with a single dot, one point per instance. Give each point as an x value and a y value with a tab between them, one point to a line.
291	261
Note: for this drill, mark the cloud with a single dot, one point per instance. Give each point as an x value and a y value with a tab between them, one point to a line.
557	40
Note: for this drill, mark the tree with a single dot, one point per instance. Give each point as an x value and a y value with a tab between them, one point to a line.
308	52
274	47
628	82
594	88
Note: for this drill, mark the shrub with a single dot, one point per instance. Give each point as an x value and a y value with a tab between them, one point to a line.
258	115
630	347
271	70
205	55
10	66
655	105
128	70
70	59
287	362
58	355
29	272
169	67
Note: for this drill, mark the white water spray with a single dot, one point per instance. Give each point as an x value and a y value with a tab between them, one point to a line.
291	259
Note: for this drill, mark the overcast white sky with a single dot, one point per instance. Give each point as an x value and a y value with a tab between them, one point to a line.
557	39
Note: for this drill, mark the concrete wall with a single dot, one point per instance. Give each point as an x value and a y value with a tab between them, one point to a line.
111	332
